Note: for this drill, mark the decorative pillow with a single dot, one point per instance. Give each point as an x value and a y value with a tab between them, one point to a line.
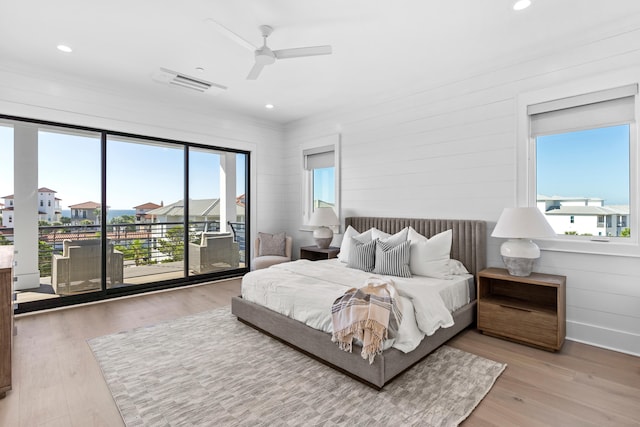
456	267
362	255
345	246
272	244
430	257
394	240
392	260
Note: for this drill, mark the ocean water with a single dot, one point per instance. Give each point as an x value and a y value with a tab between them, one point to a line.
111	213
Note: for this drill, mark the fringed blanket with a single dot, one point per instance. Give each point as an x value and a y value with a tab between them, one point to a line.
370	314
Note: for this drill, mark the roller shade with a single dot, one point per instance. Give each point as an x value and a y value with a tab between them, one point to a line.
319	157
596	109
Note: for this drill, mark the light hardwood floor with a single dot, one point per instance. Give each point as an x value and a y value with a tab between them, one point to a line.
57	381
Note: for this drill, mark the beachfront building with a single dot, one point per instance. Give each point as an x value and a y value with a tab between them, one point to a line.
142	212
87	211
48	207
584	216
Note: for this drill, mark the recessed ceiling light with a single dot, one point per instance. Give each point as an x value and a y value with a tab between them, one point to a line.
521	4
64	48
200	69
269	106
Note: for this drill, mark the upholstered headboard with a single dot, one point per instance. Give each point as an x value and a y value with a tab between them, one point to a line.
469	236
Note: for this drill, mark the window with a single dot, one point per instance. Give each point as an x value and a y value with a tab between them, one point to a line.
321	176
581	164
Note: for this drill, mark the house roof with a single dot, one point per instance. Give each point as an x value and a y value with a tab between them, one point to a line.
46	190
589	210
197	207
148	205
86	205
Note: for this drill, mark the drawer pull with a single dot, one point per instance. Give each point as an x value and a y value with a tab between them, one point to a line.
515	308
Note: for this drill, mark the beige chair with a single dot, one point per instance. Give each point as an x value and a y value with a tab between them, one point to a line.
216	251
78	269
265	261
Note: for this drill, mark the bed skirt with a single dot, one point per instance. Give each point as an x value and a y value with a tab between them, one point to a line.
318	344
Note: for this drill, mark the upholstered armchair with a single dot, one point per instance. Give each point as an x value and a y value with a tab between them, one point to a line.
266	259
216	251
78	269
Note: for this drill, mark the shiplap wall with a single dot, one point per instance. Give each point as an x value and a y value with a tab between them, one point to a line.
449	151
63	100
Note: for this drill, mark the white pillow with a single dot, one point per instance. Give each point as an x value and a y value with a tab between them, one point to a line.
345	246
430	257
393	240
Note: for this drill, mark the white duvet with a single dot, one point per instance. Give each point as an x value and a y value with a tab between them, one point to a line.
305	290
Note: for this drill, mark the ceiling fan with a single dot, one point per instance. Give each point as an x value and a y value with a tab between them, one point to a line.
264	55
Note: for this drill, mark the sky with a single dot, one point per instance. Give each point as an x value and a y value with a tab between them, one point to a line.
576	164
590	163
136	173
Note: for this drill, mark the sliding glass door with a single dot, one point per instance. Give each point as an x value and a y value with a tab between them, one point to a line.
216	211
145	212
94	214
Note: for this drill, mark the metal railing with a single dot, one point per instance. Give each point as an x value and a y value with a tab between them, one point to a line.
141	243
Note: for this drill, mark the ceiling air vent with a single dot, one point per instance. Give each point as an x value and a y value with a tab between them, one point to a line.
182	80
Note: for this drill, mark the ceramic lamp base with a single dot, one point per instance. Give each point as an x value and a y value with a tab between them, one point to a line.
323	237
519	255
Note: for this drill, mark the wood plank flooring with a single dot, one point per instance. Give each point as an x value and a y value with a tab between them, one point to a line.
57	381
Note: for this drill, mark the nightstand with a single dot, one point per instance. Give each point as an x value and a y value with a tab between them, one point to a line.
529	310
315	253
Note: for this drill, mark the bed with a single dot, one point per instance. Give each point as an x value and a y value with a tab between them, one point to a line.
468	246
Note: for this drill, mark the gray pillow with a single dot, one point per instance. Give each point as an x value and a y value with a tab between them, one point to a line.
392	260
362	255
272	244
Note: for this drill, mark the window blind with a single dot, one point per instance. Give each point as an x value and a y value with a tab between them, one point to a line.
319	157
592	110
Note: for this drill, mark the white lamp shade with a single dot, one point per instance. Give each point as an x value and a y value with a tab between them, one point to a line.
324	217
520	225
526	223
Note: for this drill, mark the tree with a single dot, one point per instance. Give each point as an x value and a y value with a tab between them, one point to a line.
65	220
125	219
134	251
4	241
626	232
45	251
173	243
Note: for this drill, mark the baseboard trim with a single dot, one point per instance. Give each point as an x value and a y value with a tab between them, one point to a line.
598	336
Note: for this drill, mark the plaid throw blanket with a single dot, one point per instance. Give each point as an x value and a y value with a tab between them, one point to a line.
370	314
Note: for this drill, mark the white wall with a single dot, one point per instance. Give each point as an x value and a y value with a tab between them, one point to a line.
58	99
449	150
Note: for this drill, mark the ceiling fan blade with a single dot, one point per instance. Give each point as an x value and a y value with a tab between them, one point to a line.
230	34
255	71
298	52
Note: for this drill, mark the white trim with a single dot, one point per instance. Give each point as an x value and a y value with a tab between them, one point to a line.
313	146
525	164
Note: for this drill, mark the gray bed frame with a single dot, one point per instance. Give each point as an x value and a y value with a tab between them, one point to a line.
469	246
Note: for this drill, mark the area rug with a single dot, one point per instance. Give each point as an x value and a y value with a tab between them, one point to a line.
210	369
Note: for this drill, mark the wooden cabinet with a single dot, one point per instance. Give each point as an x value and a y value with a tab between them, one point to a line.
315	253
529	310
6	317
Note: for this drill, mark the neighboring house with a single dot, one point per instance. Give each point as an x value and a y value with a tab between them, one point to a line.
48	207
85	211
584	216
200	210
142	212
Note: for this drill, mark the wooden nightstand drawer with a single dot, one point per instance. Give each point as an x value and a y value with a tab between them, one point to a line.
535	327
530	309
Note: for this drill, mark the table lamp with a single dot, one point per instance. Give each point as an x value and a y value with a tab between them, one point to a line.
323	218
520	225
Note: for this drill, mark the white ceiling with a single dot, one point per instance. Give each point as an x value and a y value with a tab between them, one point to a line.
380	47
